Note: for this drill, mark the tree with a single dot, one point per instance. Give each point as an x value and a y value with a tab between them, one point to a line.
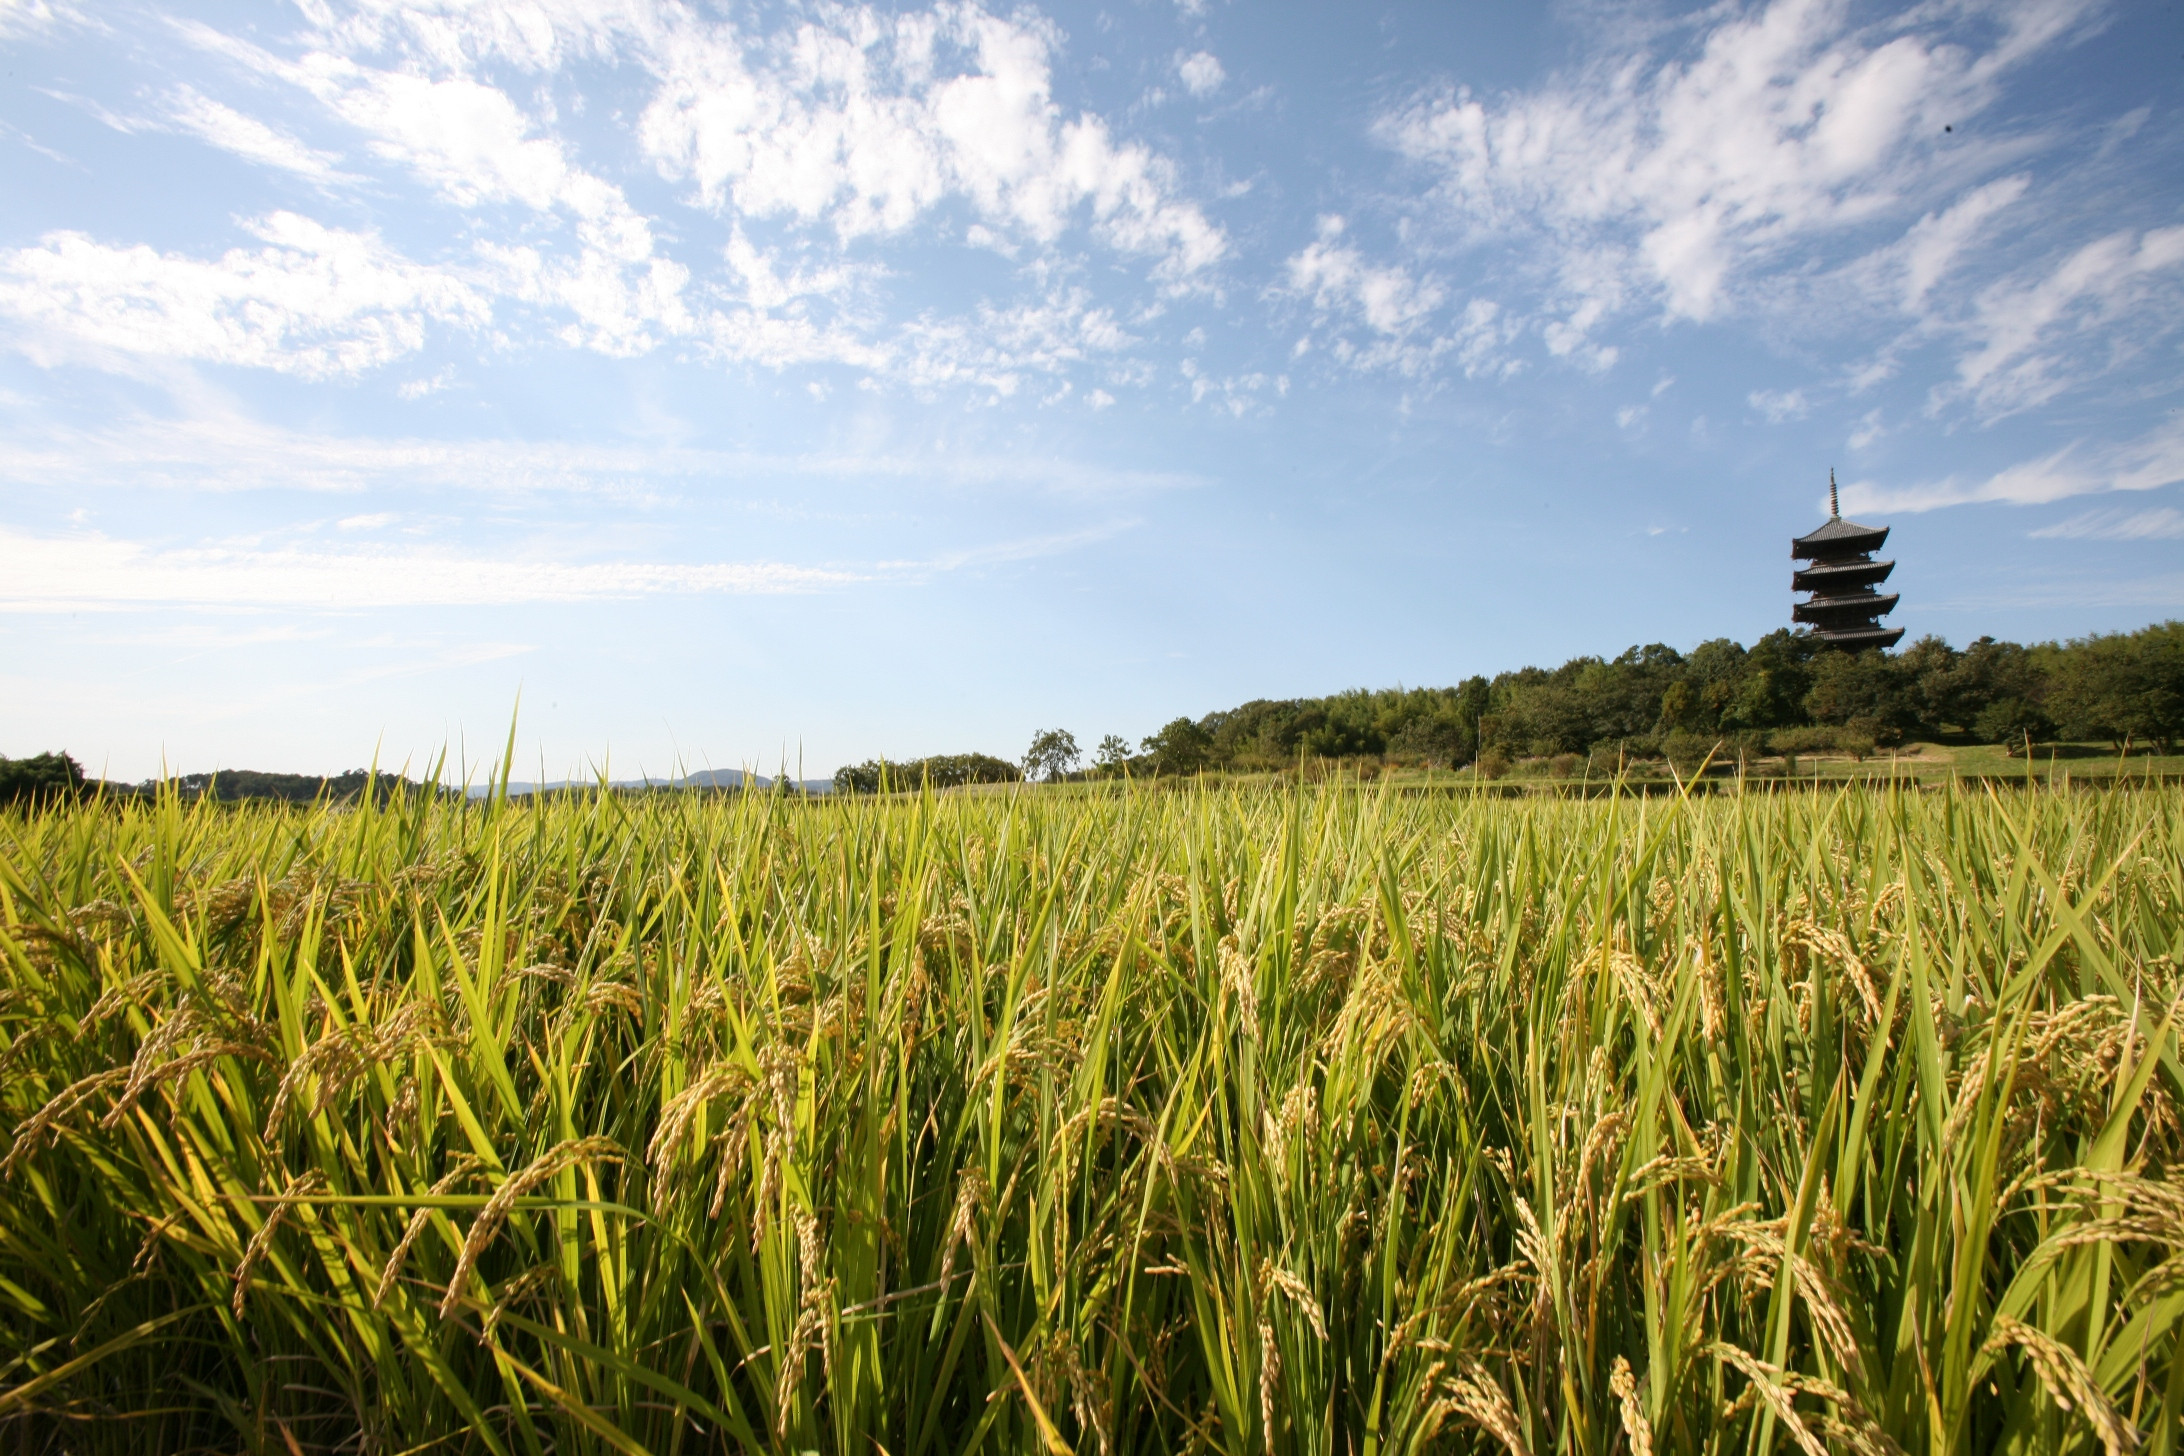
1995	689
1924	671
1113	755
1681	707
1438	738
41	779
2124	687
1053	753
1771	686
2011	722
1868	691
1180	748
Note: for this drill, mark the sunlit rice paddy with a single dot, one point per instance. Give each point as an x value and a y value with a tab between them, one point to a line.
1259	1120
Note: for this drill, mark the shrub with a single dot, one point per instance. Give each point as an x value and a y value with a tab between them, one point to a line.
1687	751
1792	741
1492	764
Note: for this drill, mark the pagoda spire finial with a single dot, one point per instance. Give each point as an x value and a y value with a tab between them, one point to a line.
1835	509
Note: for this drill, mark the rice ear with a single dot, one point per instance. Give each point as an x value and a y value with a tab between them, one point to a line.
2068	1383
1636	1427
562	1155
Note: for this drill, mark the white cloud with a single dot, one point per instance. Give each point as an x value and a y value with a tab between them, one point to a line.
473	144
864	122
1673	181
314	301
20	16
765	287
2148	463
2163	523
1239	394
1398	307
1936	240
247	137
1779	405
430	384
996	346
466	139
70	573
850	123
1336	275
1200	72
2024	327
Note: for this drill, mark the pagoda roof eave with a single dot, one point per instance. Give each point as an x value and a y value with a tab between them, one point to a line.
1857	637
1838	537
1821	575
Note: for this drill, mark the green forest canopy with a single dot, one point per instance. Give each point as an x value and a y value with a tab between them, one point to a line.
2123	687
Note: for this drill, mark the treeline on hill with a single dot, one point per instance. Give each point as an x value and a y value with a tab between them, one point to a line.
1787	692
39	779
942	771
47	777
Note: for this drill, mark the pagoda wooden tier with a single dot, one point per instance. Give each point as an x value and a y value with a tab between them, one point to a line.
1844	610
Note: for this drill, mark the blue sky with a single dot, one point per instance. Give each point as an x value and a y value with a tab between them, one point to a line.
747	381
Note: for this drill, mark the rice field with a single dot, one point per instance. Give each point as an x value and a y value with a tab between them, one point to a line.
1254	1120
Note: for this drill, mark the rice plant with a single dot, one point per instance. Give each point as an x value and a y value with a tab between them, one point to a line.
1253	1121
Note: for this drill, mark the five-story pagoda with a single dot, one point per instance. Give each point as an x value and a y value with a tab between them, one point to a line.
1844	610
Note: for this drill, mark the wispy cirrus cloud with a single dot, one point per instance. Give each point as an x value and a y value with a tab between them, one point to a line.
2161	593
1023	548
2080	468
87	570
220	125
2162	523
226	452
1934	244
19	16
2029	331
91	571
